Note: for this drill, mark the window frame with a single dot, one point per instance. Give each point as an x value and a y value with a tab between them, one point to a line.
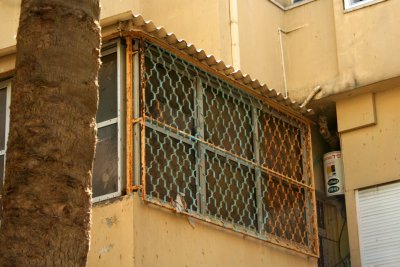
6	84
109	48
350	5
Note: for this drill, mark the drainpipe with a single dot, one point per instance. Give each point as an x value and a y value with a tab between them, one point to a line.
280	32
234	28
310	97
283	62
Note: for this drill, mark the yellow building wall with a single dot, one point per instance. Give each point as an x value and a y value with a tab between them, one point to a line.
128	232
260	56
9	18
311	52
367	43
204	23
371	154
112	241
340	50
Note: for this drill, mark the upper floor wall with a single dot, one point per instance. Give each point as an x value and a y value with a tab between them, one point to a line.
291	49
204	23
341	49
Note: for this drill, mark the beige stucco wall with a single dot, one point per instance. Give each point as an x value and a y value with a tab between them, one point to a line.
341	50
204	23
311	52
9	17
112	234
260	54
128	232
371	154
367	41
7	64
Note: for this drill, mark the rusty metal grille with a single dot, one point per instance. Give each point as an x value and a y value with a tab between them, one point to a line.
217	153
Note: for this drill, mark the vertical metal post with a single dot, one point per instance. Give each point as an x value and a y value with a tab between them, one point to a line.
312	184
201	176
143	113
308	179
136	114
256	147
128	113
121	83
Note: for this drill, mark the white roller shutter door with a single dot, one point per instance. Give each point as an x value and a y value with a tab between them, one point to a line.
379	225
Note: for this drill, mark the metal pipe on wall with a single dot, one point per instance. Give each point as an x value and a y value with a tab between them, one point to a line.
234	28
283	62
280	31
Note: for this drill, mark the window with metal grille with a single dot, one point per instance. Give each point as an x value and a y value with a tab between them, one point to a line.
214	152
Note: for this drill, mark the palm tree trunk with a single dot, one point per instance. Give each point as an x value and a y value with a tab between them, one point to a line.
47	192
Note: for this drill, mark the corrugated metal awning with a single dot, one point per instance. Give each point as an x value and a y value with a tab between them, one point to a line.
127	21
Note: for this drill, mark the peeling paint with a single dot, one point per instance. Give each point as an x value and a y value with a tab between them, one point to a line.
192	222
110	221
106	249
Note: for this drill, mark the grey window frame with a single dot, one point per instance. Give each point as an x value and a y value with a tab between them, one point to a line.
350	5
7	86
109	48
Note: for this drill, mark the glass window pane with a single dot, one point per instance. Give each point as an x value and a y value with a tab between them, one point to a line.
105	169
3	108
108	106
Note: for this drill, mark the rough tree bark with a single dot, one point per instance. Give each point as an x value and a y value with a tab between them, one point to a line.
47	191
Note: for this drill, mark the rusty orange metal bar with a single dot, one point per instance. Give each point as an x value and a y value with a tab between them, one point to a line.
134	121
135	188
314	201
128	93
143	112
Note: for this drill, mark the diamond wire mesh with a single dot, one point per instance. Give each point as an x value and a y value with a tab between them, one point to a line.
222	155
